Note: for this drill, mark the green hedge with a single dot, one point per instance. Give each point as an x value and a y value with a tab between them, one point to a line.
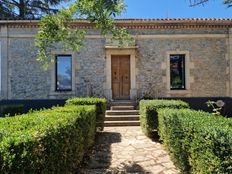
10	110
47	141
100	104
148	112
198	142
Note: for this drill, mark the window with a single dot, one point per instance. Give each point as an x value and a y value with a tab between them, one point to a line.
64	73
177	71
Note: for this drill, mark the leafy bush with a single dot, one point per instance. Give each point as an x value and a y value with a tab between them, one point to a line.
10	110
47	141
100	104
148	112
88	124
198	142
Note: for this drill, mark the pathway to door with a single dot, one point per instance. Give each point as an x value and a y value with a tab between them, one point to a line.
123	150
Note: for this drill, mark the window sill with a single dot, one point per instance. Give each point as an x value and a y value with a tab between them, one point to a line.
62	92
179	92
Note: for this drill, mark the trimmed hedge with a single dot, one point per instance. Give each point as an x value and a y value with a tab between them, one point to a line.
47	141
148	112
198	142
100	104
10	110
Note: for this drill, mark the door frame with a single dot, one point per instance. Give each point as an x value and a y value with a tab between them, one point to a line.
115	50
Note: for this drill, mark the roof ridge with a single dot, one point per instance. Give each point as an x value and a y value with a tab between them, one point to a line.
172	19
139	19
139	23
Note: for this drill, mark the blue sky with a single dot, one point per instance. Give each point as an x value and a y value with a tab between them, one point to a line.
175	9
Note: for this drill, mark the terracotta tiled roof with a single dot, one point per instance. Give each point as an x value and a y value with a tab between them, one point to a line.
178	19
146	19
140	23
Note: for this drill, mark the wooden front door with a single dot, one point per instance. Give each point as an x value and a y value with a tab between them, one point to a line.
120	77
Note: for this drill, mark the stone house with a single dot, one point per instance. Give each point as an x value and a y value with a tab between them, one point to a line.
170	57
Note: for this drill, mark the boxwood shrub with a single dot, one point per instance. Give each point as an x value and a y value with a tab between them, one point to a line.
198	142
100	104
47	141
148	112
89	124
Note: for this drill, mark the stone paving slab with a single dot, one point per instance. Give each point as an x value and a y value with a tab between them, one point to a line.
120	150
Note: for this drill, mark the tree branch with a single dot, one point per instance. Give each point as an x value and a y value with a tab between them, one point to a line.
197	2
15	3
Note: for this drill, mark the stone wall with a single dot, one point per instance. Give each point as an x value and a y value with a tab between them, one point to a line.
207	55
27	79
179	31
90	72
208	66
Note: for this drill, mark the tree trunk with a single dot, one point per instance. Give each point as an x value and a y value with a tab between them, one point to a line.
22	9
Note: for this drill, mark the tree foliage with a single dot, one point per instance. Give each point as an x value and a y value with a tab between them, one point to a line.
228	2
200	2
196	2
28	9
57	28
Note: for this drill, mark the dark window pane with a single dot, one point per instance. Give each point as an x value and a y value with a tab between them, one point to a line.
63	73
177	71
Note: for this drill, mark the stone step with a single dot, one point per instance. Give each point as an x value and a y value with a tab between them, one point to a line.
123	103
121	117
121	123
122	112
122	107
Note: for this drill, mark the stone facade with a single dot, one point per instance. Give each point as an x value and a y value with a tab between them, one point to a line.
208	50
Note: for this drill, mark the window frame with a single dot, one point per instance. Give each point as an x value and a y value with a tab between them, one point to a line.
56	72
184	71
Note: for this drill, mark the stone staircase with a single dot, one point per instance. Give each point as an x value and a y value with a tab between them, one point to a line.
122	113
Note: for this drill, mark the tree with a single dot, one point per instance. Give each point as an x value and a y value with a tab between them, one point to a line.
57	28
28	9
199	2
196	2
228	2
5	11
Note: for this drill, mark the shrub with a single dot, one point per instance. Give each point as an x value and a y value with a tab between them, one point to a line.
197	141
47	141
88	124
10	110
148	112
100	104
